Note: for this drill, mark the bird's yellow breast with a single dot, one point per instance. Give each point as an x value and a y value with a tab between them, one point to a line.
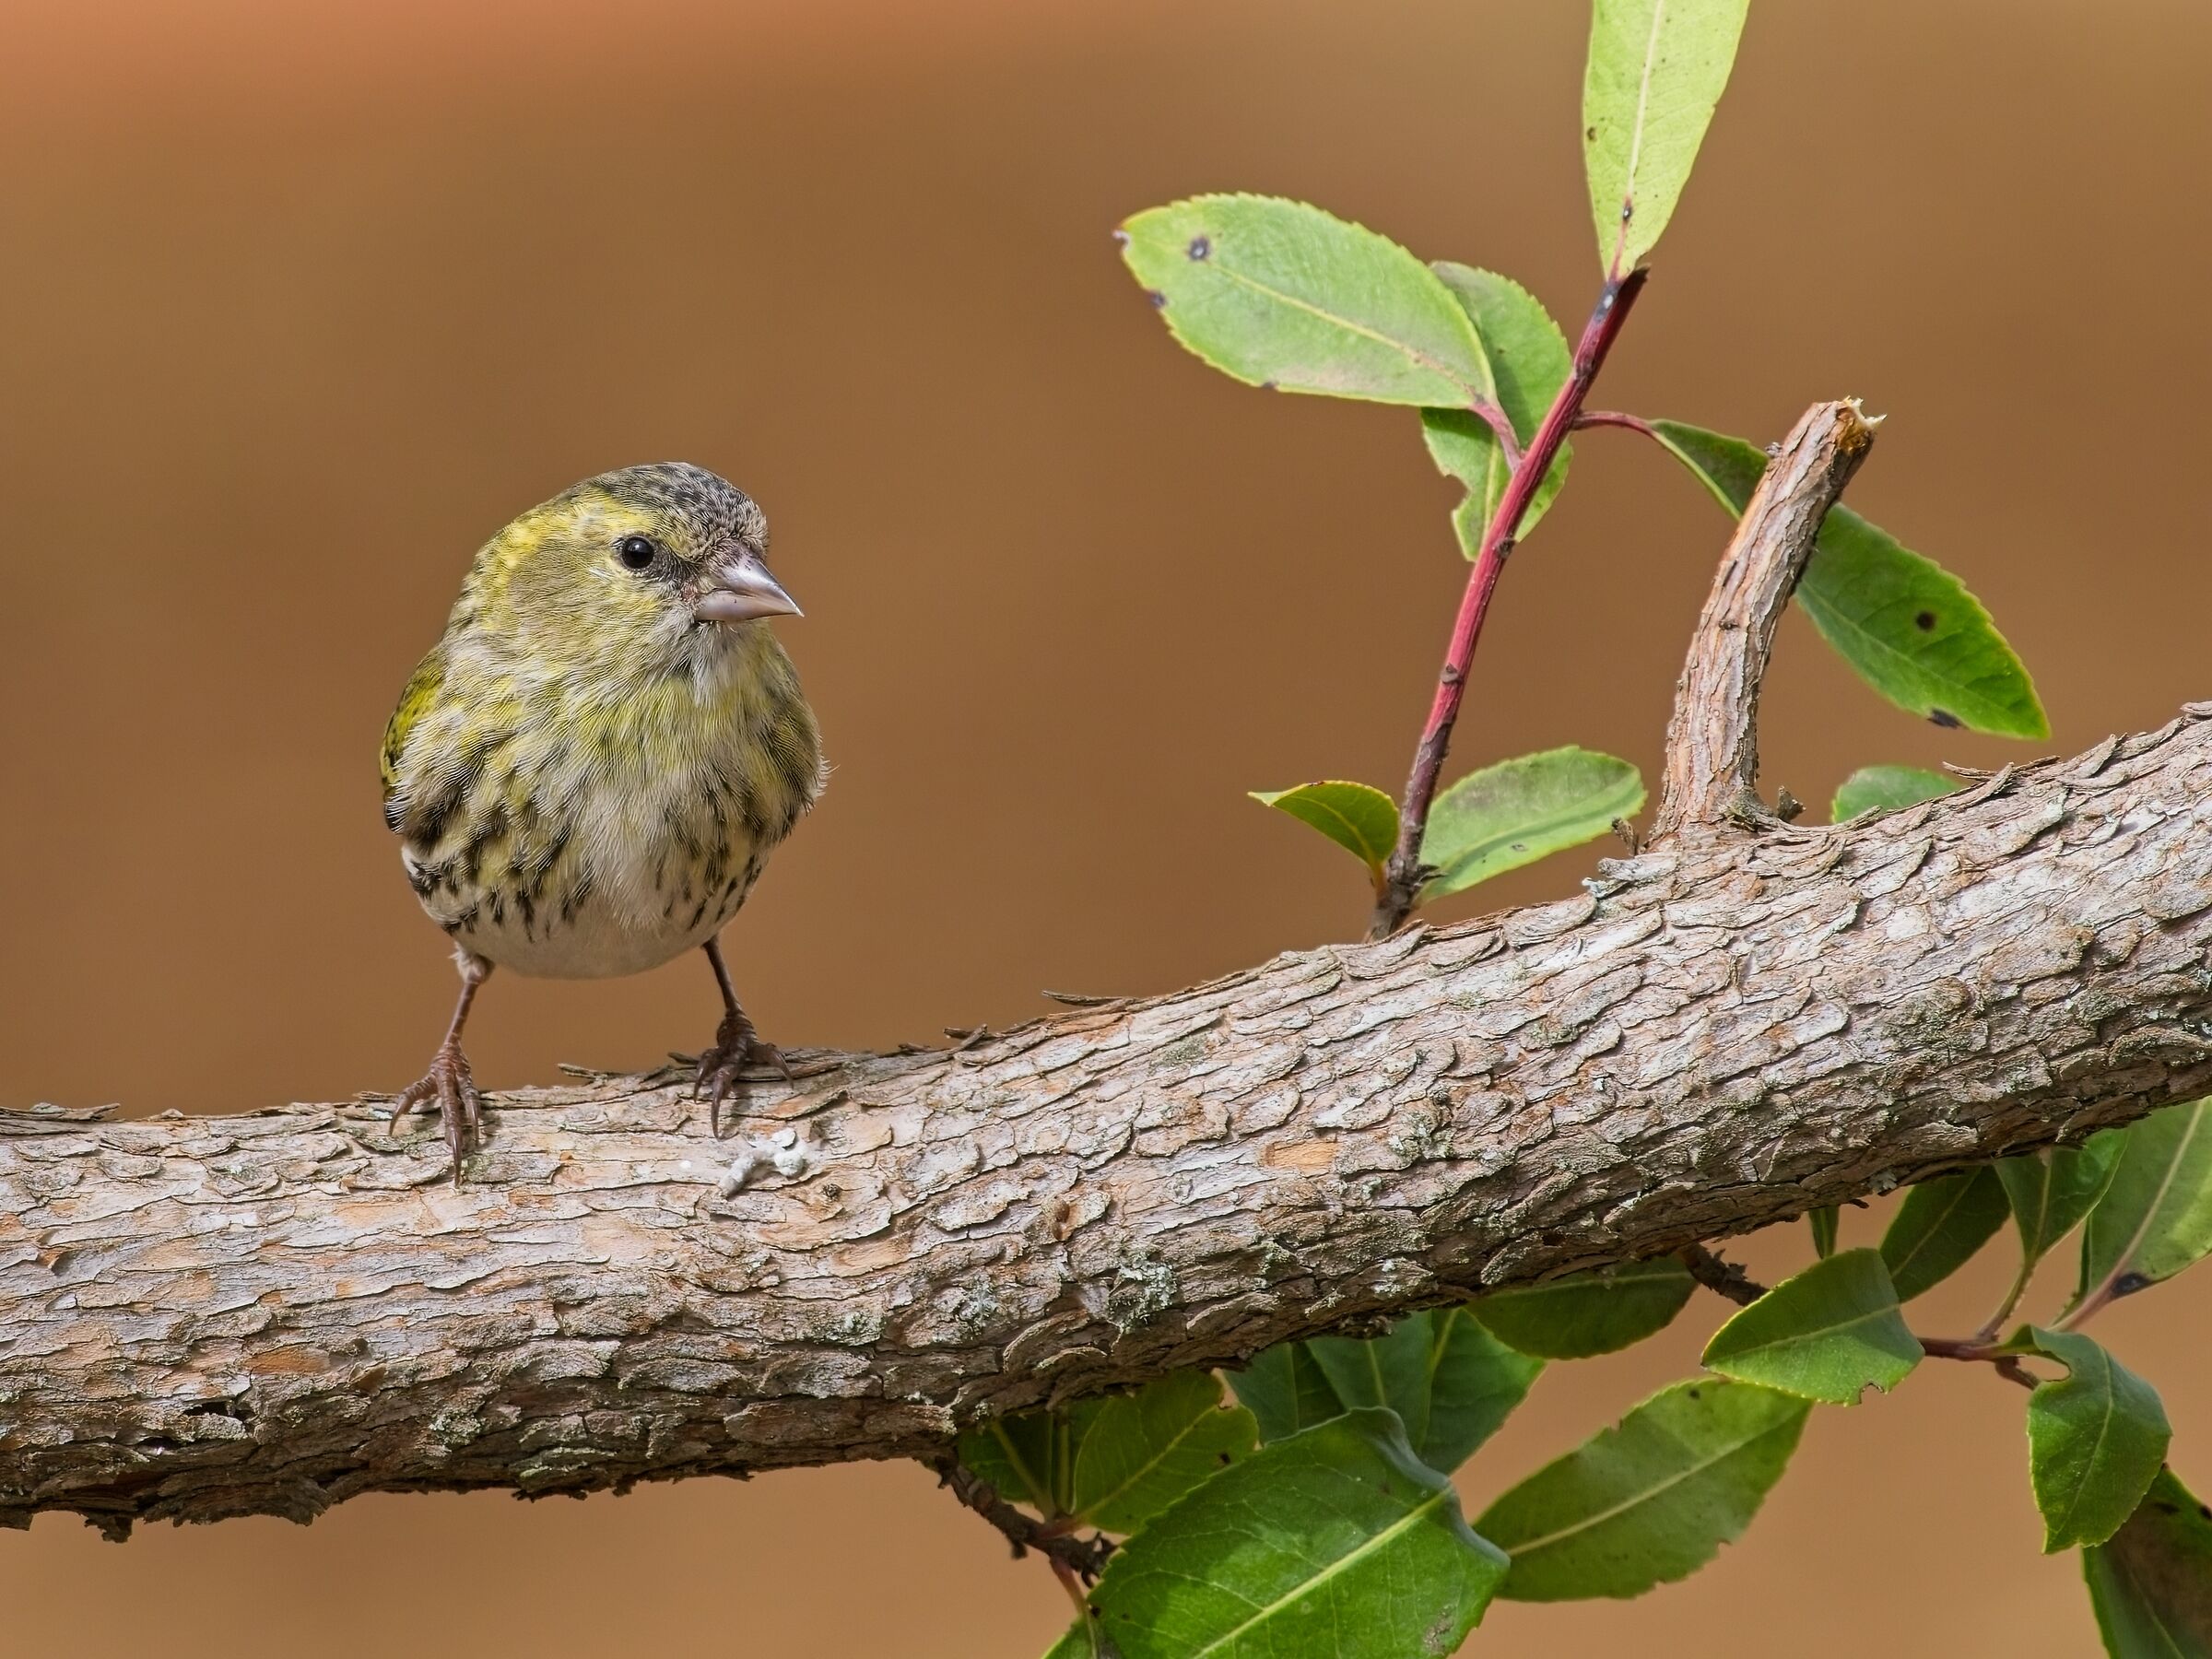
575	824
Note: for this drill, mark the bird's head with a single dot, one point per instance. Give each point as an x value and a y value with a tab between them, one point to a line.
646	567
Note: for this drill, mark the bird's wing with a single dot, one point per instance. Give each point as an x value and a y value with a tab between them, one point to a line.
413	703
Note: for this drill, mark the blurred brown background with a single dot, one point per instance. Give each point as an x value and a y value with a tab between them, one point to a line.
298	304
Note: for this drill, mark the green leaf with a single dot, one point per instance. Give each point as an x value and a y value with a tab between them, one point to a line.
1888	789
1827	1334
2155	1217
1280	294
1449	1379
1141	1451
1825	1223
1906	626
1587	1314
1938	1228
2096	1438
1656	69
1337	1541
1358	816
1285	1390
1868	594
2050	1191
2151	1583
1651	1500
1475	1382
1026	1458
1113	1463
1518	811
1529	362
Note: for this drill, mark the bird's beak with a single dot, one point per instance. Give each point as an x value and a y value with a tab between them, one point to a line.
740	590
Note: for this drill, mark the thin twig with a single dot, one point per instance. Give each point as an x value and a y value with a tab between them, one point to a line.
1083	1558
1975	1350
1713	738
2012	1370
1720	1276
1614	418
1404	876
1496	419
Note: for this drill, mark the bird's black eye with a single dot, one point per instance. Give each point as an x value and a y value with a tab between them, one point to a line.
636	552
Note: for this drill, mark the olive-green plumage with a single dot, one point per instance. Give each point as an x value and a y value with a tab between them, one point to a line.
590	767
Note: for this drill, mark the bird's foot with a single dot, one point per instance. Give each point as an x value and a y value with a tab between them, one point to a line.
738	1048
453	1091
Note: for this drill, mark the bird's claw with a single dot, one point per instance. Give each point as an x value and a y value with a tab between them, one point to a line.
459	1102
738	1048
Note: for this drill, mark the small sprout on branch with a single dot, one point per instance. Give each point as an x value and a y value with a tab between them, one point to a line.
1358	816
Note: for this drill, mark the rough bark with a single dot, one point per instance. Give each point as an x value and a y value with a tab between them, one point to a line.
1713	738
271	1312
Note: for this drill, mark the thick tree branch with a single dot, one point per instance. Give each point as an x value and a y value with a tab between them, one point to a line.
1713	739
267	1313
203	1317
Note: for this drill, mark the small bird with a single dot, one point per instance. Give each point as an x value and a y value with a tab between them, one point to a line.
590	767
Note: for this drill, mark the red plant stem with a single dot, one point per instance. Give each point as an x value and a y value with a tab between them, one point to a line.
1495	418
1599	335
1614	418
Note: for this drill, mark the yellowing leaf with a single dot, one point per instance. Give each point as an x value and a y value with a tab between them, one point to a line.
1517	811
1358	816
1656	69
1280	294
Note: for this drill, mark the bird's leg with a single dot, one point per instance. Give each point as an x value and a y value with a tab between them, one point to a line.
448	1082
736	1046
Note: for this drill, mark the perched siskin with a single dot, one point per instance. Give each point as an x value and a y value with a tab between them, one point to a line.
591	764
